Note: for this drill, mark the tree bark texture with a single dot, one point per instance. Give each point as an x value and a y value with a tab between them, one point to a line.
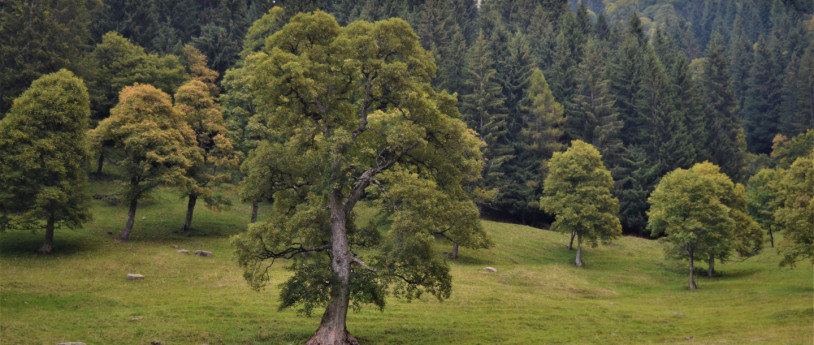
771	237
193	198
571	244
454	254
711	270
332	329
131	217
48	245
692	270
255	206
579	252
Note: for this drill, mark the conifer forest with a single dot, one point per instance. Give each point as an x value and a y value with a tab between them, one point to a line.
636	159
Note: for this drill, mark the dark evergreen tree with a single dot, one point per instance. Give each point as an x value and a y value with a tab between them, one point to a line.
688	103
636	177
726	144
763	100
624	72
514	79
741	56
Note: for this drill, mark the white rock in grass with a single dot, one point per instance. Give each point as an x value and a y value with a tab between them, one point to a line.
133	276
71	343
490	269
183	251
203	253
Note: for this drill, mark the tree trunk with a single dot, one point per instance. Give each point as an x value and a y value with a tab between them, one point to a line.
571	244
332	329
692	271
131	216
99	163
771	237
48	245
711	270
190	209
254	212
454	254
579	252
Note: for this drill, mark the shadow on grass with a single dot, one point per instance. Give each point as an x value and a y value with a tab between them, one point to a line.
26	243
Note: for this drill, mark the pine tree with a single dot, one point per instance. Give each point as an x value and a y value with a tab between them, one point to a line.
625	76
741	56
514	79
726	142
689	104
797	113
43	152
484	111
635	179
763	100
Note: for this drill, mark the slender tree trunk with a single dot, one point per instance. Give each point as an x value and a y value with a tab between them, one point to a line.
131	217
692	270
711	270
579	252
48	245
255	206
571	244
190	209
771	237
332	329
99	163
454	254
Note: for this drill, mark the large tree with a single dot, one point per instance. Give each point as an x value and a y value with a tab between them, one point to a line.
578	191
794	212
149	141
43	152
702	215
352	116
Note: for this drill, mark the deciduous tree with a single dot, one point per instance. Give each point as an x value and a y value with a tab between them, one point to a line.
150	142
353	116
43	152
578	191
794	213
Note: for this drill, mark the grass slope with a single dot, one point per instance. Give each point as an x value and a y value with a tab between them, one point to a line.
626	294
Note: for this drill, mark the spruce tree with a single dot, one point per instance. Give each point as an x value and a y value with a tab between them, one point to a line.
625	75
43	153
688	103
726	142
763	100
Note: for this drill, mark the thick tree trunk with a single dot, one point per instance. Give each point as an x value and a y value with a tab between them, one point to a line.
579	252
454	254
571	244
692	271
99	163
254	212
711	270
332	329
131	217
190	209
48	245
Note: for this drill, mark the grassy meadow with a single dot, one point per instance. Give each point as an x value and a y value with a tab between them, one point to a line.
627	293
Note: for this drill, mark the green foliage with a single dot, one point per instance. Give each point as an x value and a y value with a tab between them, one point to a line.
702	214
350	113
43	152
794	212
785	151
762	100
760	199
149	141
578	191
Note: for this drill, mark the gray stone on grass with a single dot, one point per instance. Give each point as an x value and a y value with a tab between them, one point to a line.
133	276
490	269
203	253
71	343
183	251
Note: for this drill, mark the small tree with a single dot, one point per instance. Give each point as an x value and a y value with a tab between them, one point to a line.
760	198
794	213
194	102
578	191
703	214
151	144
43	152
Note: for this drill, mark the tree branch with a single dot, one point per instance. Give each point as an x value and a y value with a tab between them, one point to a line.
359	262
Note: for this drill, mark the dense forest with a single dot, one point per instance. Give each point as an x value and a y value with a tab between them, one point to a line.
654	85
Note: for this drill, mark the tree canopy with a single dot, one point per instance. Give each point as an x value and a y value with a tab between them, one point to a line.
43	151
352	116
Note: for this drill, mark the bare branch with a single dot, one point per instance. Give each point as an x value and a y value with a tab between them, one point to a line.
359	262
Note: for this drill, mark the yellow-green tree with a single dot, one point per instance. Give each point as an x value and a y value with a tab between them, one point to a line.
149	141
353	116
43	152
195	104
794	213
577	191
702	215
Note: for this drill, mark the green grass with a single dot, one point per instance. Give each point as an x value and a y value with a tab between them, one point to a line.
627	293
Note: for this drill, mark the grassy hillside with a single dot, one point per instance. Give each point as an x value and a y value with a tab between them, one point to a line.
627	293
